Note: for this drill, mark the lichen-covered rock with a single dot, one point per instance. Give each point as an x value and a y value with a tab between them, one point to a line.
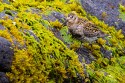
2	27
6	1
61	18
7	14
107	10
55	16
6	55
3	78
122	2
50	53
106	53
84	54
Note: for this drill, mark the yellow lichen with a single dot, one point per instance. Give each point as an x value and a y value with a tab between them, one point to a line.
87	45
122	7
95	46
6	35
101	41
56	24
75	45
119	34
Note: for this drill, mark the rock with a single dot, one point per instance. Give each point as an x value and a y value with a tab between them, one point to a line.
106	10
122	2
31	33
6	1
34	10
85	54
61	18
2	27
57	33
17	43
10	13
106	53
6	55
55	16
27	33
3	78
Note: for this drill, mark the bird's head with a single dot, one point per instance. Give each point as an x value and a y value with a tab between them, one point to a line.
72	18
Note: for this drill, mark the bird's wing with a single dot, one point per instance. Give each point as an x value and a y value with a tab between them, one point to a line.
81	21
91	32
89	24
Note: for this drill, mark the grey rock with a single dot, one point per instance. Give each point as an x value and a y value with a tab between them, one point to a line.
34	10
17	43
26	33
57	34
3	78
61	18
51	18
2	15
106	53
2	27
109	7
6	55
84	54
122	2
55	16
10	13
31	33
6	1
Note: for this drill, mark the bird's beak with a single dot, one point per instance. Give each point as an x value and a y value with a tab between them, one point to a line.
65	22
67	18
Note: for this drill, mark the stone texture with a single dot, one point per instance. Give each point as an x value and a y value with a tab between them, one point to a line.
122	2
106	10
106	53
6	55
3	78
10	13
85	54
55	16
6	1
2	27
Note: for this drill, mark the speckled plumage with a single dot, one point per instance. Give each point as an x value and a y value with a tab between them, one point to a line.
83	27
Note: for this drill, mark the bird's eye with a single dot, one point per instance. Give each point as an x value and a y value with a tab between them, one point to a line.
71	16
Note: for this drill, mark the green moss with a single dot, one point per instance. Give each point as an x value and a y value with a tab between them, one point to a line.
66	37
122	12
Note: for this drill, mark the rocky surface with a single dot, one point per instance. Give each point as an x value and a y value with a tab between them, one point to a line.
3	78
55	16
9	13
5	1
84	54
107	10
122	2
6	55
2	27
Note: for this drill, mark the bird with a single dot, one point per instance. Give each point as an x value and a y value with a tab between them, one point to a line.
83	28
